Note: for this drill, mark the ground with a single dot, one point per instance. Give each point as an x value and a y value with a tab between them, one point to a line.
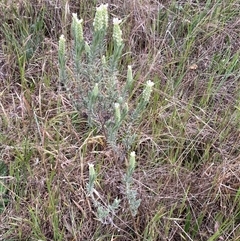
187	143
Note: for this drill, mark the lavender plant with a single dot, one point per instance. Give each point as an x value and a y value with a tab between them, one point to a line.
94	87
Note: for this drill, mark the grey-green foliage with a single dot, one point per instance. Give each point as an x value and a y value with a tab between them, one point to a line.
94	87
105	212
131	194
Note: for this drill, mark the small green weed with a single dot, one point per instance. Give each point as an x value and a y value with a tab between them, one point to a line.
3	189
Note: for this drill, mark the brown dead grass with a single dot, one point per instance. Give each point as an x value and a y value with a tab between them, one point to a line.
168	189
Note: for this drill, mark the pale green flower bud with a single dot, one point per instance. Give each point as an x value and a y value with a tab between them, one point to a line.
147	91
92	173
129	76
97	23
120	100
74	20
92	178
117	32
87	48
79	30
104	62
132	162
125	107
101	18
61	47
105	16
95	91
116	21
117	112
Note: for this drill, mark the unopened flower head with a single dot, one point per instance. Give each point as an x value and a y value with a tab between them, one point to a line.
104	61
92	179
120	99
129	75
117	32
92	173
95	91
117	112
132	161
147	91
74	18
101	18
77	28
125	107
116	21
87	48
61	49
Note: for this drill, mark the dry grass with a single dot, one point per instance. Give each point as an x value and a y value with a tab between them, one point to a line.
188	145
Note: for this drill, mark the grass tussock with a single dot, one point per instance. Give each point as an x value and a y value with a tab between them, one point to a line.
187	144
